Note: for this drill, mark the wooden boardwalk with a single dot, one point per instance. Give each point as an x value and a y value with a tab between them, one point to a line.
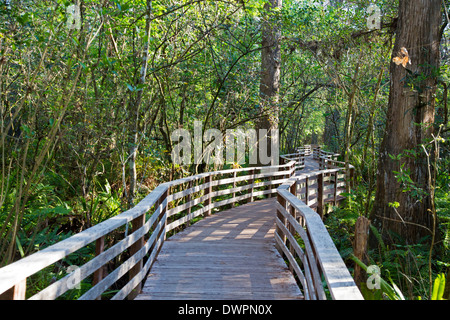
229	255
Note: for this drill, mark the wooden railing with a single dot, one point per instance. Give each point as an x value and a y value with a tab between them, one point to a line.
306	149
318	153
144	228
304	240
298	157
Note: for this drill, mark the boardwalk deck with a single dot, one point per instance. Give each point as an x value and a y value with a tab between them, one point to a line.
310	165
230	255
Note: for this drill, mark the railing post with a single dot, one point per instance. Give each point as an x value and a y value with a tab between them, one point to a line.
362	226
188	199
15	293
270	195
252	173
98	274
307	191
281	217
208	192
293	190
136	224
320	200
234	186
163	210
335	187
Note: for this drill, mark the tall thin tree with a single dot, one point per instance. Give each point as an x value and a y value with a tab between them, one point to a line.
270	71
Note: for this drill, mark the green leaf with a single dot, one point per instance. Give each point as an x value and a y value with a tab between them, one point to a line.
438	287
19	247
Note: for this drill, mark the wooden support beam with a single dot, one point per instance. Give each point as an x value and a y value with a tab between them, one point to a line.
136	224
335	188
189	198
251	181
307	191
15	293
98	274
320	199
281	217
208	191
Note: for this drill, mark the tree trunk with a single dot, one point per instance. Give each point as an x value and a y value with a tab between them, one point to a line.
349	121
270	73
409	124
133	125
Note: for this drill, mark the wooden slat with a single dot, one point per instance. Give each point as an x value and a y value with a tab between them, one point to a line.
61	286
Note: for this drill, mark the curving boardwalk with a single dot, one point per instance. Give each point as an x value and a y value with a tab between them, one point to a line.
229	255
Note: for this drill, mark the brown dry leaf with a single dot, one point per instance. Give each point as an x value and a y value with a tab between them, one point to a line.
403	58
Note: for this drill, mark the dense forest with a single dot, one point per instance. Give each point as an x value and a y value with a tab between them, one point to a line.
91	92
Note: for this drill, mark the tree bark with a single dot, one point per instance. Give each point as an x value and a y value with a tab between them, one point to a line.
409	124
349	121
270	72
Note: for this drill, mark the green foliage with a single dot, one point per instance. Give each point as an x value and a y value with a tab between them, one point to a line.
386	290
438	287
72	101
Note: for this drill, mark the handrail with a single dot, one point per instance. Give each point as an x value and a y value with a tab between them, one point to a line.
306	149
298	157
167	209
318	254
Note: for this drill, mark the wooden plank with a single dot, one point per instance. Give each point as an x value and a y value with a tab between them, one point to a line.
218	296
